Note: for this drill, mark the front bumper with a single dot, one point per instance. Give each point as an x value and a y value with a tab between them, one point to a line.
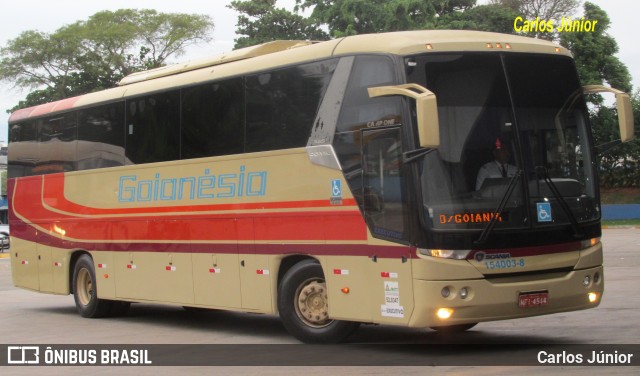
497	298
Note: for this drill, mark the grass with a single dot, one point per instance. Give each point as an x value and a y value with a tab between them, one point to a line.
621	222
620	195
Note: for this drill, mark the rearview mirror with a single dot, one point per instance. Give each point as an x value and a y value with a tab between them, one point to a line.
625	112
426	110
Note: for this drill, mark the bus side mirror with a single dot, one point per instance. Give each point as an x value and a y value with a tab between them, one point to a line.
625	112
426	110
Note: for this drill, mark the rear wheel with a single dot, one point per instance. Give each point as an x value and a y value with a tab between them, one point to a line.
304	309
84	290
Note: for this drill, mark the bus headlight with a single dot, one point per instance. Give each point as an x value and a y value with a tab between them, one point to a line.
455	254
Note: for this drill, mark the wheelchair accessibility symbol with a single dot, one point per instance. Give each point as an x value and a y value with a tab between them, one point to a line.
336	188
544	212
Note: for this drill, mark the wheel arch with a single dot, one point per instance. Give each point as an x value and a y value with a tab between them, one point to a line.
75	255
288	262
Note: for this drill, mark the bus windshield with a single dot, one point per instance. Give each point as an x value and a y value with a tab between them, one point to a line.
514	130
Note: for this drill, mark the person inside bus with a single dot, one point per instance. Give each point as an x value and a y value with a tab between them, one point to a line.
499	167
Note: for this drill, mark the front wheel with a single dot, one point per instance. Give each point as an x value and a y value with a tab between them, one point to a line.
84	290
304	309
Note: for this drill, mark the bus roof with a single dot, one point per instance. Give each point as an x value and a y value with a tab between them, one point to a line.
280	53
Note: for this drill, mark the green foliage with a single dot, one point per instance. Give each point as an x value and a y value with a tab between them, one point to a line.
496	18
620	166
595	59
544	9
260	21
350	17
594	53
95	54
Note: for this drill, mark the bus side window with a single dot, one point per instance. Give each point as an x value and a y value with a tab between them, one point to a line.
212	118
359	110
23	153
101	137
57	143
282	105
153	128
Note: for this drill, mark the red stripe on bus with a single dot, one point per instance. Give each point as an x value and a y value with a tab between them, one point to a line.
28	233
43	109
290	226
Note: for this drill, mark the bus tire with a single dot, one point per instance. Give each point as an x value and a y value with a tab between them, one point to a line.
454	328
85	290
303	306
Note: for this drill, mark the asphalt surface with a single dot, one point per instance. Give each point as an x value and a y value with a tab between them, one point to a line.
33	318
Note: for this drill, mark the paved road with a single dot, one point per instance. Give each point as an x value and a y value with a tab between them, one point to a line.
32	318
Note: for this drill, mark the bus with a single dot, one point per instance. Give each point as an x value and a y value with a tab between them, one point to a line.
331	183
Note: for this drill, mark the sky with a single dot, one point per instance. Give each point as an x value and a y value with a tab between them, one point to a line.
47	16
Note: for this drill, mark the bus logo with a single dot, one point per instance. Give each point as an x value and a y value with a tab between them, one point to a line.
23	355
544	212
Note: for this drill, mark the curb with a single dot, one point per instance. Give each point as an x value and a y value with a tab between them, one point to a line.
5	255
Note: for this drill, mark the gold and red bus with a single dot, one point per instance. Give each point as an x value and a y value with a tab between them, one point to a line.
331	183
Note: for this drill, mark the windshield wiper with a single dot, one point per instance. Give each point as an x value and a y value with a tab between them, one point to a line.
498	211
542	172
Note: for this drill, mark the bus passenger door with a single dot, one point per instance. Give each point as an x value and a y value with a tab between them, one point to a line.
385	210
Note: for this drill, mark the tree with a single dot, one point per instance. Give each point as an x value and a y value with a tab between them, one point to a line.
260	21
544	9
620	166
95	54
350	17
594	54
494	17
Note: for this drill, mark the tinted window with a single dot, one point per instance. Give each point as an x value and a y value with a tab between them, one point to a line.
23	153
101	137
213	119
282	105
57	146
153	128
359	110
384	204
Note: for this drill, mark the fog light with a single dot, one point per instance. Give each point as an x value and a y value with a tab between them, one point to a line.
444	313
593	297
445	292
464	293
586	281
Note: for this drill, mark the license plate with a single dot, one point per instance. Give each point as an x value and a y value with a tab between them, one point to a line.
536	299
